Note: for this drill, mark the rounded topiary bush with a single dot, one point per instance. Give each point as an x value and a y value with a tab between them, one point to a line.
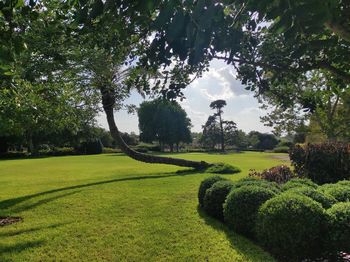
340	192
344	183
215	197
241	208
290	226
298	182
339	227
253	181
325	200
206	184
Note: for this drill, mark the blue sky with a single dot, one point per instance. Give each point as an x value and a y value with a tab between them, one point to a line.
218	83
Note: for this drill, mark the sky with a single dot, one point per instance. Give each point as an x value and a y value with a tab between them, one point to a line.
218	83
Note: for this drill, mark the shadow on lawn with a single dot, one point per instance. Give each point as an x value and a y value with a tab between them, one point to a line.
21	246
7	204
244	246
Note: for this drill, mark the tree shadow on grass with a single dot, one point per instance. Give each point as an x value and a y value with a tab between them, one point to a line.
7	204
248	249
30	230
19	247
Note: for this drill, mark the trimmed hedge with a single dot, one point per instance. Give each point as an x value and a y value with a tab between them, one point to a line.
299	182
241	208
281	149
340	192
206	184
290	226
279	174
322	163
222	168
253	181
339	228
325	200
215	197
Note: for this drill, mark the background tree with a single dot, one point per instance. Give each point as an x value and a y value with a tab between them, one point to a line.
218	131
218	105
164	121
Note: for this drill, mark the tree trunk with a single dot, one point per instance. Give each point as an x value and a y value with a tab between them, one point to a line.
108	104
222	134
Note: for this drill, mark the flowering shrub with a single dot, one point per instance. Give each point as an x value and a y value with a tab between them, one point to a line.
278	174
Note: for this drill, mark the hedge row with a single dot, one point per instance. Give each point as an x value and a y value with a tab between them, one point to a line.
294	221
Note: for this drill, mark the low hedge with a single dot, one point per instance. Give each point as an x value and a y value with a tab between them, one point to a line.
215	197
241	208
290	226
206	184
281	149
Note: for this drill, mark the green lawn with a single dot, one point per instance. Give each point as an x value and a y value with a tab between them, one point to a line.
112	208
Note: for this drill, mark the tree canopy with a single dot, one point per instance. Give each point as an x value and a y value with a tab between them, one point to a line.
164	121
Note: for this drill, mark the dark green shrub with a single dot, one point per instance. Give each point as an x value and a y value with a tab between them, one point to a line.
340	192
241	208
222	168
279	174
144	148
339	227
254	181
281	149
91	147
322	163
298	182
290	226
206	184
325	200
215	197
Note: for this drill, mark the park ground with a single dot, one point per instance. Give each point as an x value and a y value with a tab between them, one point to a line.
111	208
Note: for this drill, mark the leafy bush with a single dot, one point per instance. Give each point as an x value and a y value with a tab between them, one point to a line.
290	226
215	197
323	163
109	150
325	200
281	149
241	208
58	151
278	174
144	148
344	183
91	147
339	191
254	181
339	227
206	184
298	182
222	168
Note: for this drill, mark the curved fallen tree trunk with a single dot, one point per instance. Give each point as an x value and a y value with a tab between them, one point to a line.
108	104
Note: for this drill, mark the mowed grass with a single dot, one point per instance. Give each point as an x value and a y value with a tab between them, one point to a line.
112	208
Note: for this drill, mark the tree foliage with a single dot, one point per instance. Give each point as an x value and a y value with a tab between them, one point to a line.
164	121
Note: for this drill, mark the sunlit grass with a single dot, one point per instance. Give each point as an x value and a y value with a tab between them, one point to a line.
112	208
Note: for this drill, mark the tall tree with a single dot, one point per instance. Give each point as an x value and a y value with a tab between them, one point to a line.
164	121
218	105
